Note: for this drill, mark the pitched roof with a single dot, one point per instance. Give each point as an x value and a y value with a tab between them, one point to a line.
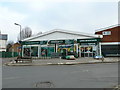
62	31
109	27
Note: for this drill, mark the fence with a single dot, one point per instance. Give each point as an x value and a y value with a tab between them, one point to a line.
8	54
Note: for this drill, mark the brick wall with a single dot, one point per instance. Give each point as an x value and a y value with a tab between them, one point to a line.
114	37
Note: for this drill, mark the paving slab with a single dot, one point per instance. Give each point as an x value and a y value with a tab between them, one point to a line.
58	61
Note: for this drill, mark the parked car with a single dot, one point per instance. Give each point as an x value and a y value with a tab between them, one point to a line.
70	57
99	57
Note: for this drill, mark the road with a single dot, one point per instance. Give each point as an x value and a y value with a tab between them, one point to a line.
103	75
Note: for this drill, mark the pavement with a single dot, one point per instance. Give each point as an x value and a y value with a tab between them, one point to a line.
58	61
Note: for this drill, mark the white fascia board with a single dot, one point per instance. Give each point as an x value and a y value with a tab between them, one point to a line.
76	33
110	43
102	29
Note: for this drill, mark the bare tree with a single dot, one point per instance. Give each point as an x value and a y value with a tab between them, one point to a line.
25	33
9	45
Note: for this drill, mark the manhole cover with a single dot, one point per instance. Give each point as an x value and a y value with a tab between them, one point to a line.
117	87
46	84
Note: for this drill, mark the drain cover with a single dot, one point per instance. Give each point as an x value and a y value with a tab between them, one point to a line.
117	87
45	84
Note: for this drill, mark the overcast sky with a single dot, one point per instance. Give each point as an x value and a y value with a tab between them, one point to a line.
44	15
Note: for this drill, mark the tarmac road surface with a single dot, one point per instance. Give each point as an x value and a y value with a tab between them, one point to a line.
104	75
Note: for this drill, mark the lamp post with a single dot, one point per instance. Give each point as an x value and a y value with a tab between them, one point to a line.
20	33
20	29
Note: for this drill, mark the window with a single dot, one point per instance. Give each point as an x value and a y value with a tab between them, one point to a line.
3	37
106	33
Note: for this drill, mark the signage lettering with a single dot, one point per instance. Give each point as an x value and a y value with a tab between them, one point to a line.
56	41
87	40
34	42
61	42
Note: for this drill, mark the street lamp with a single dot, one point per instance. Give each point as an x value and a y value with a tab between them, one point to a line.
20	29
20	34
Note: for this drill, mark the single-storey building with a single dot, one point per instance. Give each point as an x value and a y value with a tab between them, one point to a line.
16	47
110	43
63	42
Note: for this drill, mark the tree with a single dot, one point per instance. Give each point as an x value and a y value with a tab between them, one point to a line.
9	45
25	33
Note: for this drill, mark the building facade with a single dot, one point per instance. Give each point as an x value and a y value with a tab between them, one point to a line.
62	42
110	43
16	48
3	41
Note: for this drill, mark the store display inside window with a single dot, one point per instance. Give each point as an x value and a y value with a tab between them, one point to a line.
26	52
88	49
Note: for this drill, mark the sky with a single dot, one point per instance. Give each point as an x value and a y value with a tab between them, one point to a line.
44	15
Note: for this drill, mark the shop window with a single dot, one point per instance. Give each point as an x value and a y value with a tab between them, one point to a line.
69	48
88	49
47	51
34	51
82	49
44	51
26	52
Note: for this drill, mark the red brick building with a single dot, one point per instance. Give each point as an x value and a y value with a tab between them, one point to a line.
16	47
110	43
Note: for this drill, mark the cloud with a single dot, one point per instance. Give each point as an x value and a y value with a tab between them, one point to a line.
10	15
85	17
60	0
37	5
7	20
44	15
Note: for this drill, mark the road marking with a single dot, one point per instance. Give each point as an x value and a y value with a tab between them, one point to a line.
85	70
79	71
11	78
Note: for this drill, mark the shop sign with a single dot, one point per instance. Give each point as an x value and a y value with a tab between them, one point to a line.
88	40
56	41
69	41
88	43
61	42
30	42
33	42
66	46
43	42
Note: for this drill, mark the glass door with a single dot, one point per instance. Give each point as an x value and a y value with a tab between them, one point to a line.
86	51
82	49
34	51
